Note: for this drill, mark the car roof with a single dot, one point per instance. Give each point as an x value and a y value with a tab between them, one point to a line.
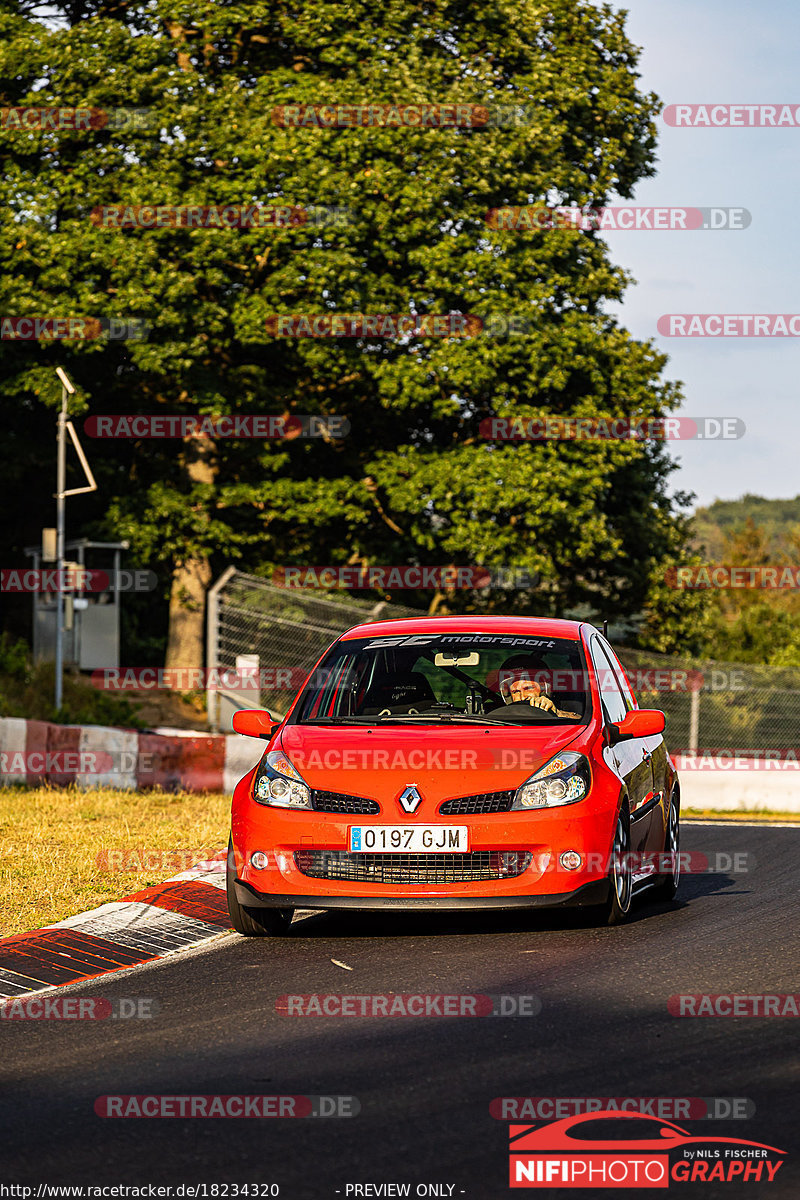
522	626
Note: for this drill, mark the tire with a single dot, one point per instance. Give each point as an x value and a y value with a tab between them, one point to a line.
668	885
620	878
253	922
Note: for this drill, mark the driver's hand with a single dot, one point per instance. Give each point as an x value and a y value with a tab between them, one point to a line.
543	702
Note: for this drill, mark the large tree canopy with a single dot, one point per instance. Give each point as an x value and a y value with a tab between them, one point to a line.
414	481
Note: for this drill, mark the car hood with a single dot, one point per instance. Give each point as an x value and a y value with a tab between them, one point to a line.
442	763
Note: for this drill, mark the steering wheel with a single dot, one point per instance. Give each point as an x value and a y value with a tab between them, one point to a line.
522	708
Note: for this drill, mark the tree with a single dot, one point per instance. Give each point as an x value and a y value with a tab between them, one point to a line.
415	481
757	625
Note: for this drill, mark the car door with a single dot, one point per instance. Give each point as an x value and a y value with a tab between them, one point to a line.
656	747
630	757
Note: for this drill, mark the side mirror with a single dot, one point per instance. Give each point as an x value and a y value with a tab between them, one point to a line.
254	722
642	722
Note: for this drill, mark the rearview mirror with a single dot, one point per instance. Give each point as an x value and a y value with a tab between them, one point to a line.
443	659
254	722
642	722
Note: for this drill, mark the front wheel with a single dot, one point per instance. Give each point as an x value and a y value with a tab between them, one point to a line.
668	885
621	874
253	922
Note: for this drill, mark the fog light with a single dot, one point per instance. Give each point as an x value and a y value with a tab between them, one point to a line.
259	859
571	860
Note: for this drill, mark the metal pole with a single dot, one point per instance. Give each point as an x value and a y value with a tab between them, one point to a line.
212	647
61	484
694	722
61	495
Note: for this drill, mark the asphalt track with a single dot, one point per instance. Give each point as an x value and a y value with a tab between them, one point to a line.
424	1083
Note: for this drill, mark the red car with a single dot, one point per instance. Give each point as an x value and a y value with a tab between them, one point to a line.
456	762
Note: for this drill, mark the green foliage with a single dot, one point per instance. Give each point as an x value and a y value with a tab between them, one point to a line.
27	691
779	521
742	625
14	658
414	481
787	652
678	622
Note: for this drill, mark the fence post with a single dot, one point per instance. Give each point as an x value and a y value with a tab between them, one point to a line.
212	647
694	721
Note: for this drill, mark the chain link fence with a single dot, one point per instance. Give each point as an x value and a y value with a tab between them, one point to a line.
715	706
278	635
274	636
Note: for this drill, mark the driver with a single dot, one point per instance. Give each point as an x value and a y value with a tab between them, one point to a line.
524	679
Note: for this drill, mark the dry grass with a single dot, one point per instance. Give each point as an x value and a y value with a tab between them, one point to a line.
53	842
758	816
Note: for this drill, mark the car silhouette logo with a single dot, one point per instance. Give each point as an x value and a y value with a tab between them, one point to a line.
566	1153
558	1135
409	799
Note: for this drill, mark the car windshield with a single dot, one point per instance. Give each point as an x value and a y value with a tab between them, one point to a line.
449	679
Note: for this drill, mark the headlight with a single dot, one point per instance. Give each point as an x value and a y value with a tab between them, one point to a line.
277	783
564	780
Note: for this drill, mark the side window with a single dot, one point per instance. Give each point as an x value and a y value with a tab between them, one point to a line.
613	701
630	699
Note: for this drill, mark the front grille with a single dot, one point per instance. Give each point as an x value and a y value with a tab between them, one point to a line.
412	868
486	802
337	802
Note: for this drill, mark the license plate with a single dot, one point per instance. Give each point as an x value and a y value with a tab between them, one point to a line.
409	839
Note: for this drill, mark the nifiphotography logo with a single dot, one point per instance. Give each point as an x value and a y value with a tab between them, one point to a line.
616	1149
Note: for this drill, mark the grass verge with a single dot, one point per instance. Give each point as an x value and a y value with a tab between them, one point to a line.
63	850
761	815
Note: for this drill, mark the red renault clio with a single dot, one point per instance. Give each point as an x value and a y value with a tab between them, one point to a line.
456	762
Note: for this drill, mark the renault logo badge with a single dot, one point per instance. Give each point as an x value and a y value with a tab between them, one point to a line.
410	799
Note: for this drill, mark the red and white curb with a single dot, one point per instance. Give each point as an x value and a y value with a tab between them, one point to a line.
183	911
35	752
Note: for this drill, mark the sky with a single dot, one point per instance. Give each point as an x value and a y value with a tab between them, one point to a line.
725	53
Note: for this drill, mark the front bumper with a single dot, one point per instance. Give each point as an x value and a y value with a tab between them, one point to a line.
280	834
543	882
595	892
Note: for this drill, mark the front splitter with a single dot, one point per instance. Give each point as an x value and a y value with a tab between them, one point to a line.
592	893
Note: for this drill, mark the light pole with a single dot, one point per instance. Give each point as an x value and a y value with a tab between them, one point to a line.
64	427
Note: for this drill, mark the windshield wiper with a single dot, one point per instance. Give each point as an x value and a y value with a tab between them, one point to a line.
332	720
413	718
461	719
